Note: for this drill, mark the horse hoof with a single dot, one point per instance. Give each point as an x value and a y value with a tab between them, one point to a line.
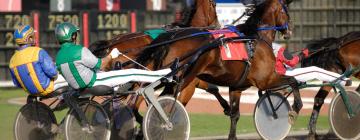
54	129
311	136
292	117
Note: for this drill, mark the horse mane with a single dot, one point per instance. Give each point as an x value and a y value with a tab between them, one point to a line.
349	37
250	26
157	54
99	48
320	51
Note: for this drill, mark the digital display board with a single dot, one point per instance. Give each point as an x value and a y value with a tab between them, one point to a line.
48	22
104	25
8	23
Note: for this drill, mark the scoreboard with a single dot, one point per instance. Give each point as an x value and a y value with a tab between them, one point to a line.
105	25
58	17
8	23
48	22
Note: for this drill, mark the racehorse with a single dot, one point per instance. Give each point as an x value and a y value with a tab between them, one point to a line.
201	13
344	52
259	71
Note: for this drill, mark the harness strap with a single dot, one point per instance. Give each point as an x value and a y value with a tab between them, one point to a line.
244	75
277	28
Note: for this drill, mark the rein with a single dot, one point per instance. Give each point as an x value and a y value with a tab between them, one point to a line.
276	28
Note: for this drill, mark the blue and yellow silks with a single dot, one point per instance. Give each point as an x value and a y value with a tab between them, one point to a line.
32	69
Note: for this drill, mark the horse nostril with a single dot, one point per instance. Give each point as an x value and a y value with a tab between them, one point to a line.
286	36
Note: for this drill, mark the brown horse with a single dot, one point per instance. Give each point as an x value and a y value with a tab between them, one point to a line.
202	13
344	52
259	71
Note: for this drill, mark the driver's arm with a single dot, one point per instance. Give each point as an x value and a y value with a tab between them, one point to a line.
91	61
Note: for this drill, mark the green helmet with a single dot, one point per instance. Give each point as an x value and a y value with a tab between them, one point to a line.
64	31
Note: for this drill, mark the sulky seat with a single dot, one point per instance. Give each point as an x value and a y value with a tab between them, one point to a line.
99	90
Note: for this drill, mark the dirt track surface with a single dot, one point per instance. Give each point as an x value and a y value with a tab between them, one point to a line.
299	135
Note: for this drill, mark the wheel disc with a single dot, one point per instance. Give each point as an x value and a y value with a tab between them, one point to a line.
343	126
155	126
266	125
34	123
97	118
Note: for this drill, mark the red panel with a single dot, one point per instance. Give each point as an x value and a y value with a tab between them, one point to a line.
86	29
133	22
109	5
10	6
36	27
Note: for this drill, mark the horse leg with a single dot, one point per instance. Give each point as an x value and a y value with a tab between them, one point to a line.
138	116
297	101
318	102
188	92
234	112
214	90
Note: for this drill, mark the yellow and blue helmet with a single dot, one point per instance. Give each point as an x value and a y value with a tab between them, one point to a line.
22	35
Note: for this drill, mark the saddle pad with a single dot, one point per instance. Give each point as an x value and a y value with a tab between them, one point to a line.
231	50
154	33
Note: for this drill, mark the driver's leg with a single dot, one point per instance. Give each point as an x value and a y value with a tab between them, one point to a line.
114	78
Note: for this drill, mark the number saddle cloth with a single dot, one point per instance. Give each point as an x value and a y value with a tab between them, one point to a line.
232	50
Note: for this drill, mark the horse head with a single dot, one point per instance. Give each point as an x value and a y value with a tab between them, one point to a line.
267	18
204	14
283	18
276	17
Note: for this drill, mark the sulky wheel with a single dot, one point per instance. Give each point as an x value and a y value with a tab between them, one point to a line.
154	127
98	120
267	126
342	124
35	121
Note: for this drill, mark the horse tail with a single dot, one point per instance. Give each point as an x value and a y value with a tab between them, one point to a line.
320	52
99	48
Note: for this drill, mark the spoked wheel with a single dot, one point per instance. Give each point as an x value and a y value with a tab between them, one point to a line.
97	118
154	127
341	123
269	127
35	121
123	121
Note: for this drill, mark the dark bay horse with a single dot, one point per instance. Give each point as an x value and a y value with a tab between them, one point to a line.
201	13
259	71
344	52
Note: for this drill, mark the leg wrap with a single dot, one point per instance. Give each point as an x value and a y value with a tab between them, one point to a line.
319	101
212	89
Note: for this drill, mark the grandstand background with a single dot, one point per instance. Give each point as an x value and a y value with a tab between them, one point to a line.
102	19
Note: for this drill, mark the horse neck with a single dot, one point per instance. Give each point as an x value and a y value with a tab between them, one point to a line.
268	20
268	35
205	15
